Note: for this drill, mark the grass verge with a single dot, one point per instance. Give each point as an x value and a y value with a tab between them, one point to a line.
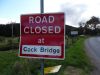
75	56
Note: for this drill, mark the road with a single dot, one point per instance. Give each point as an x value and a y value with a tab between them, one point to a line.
92	46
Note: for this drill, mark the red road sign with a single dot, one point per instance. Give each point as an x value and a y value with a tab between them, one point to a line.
42	36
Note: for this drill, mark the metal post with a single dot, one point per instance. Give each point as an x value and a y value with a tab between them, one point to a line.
12	34
42	66
42	6
42	11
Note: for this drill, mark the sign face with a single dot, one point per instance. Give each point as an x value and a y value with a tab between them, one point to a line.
42	36
74	32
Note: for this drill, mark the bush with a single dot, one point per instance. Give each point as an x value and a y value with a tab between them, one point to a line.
10	41
2	39
5	47
26	67
10	44
15	46
21	69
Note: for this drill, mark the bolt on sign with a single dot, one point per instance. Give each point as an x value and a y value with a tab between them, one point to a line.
42	36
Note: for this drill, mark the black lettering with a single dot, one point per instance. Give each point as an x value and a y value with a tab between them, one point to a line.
35	49
58	51
42	49
25	48
28	49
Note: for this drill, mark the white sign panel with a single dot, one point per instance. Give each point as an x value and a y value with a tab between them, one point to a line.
74	32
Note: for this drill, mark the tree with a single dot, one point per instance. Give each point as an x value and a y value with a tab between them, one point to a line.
81	27
92	23
6	29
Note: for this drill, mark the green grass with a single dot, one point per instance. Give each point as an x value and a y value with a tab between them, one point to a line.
7	59
11	64
6	43
74	56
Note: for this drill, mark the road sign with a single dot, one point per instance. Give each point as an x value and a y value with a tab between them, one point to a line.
74	32
42	36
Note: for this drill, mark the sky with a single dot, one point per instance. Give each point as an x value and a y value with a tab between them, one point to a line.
75	10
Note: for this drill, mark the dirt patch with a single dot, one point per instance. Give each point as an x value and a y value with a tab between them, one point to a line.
72	71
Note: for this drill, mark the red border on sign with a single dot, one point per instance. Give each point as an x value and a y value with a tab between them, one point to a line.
47	44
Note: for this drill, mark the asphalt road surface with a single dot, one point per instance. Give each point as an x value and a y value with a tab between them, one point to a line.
93	50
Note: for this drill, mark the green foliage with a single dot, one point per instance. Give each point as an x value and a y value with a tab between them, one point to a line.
74	56
7	59
9	43
77	57
11	64
6	30
21	68
2	39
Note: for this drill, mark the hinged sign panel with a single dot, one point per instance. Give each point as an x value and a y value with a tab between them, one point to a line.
42	36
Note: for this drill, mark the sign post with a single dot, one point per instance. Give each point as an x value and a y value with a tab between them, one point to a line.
42	36
74	34
42	60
